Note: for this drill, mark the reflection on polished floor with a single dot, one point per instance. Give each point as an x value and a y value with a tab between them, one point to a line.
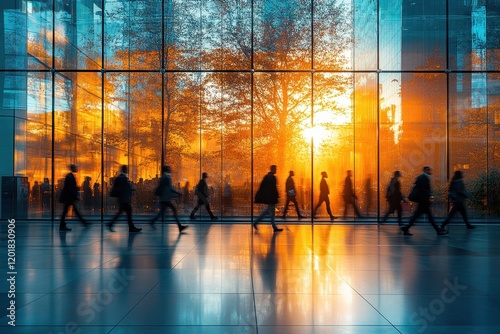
227	278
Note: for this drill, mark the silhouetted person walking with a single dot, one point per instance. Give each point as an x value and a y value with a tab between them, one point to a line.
324	191
166	193
87	194
291	195
268	194
69	195
123	191
458	196
202	194
350	198
394	197
421	194
368	195
227	196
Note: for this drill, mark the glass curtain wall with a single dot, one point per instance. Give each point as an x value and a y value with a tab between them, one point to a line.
354	88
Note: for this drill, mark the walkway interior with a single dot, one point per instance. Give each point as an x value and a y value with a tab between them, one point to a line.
228	278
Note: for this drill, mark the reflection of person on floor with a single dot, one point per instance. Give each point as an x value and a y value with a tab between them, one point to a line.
268	194
324	191
69	195
291	195
202	194
350	198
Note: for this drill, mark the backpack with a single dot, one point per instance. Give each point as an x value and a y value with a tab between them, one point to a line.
413	196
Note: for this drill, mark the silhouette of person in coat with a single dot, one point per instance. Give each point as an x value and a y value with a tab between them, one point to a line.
122	189
268	194
69	195
324	191
423	194
166	193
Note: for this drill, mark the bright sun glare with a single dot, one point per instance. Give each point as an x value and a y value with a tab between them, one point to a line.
318	133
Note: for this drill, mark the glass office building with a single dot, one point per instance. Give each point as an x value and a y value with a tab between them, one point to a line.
231	87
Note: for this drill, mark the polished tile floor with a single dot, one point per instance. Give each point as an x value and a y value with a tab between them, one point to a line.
227	278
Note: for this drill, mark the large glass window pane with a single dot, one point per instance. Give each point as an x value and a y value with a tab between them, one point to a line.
183	144
333	121
493	143
366	145
77	34
39	37
412	35
34	147
468	140
365	34
282	35
88	43
226	142
334	38
236	153
391	148
390	36
133	127
282	131
78	136
133	34
225	35
116	122
422	139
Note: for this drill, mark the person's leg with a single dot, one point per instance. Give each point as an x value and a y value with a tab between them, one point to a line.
128	210
389	211
463	212
210	213
198	205
321	200
428	211
399	210
272	213
328	210
174	213
294	201
262	214
77	213
418	212
62	224
356	209
287	201
450	215
112	222
160	213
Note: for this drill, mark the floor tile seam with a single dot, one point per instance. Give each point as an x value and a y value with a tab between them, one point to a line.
145	294
20	308
367	301
52	292
252	279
